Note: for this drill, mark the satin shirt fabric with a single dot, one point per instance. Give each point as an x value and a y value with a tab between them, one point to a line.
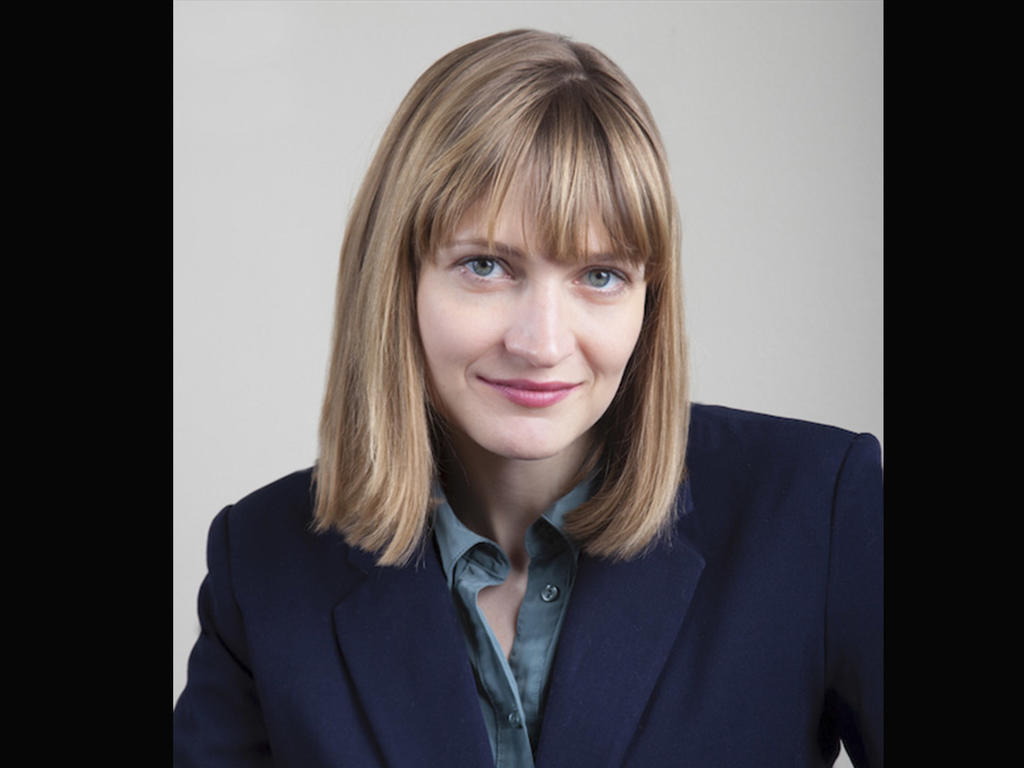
752	637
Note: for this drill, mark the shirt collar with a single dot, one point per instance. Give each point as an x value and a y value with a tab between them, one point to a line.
454	539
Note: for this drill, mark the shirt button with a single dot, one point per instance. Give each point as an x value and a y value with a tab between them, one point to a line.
549	593
514	720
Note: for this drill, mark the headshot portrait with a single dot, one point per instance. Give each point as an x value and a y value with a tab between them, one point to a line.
527	398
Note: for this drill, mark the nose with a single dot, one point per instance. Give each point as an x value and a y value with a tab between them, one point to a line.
539	330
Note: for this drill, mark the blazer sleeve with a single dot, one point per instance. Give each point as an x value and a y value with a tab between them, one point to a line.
217	720
854	611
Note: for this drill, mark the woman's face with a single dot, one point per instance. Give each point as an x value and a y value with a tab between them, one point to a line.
525	354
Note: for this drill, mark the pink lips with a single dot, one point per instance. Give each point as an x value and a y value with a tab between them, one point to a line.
532	394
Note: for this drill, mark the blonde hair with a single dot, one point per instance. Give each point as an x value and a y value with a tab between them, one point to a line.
563	112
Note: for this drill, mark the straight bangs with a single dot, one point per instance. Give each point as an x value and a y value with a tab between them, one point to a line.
578	155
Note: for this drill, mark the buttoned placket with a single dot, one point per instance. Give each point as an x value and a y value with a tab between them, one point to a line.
512	690
516	704
486	565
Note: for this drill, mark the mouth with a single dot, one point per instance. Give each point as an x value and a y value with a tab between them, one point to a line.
532	394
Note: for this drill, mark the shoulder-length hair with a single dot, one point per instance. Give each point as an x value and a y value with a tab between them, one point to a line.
562	110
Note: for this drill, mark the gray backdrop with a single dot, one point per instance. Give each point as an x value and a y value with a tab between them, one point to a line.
772	116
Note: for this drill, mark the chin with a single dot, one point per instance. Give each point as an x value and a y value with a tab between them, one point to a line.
522	451
524	446
531	454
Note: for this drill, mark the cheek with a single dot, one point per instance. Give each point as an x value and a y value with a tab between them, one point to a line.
451	332
613	340
435	334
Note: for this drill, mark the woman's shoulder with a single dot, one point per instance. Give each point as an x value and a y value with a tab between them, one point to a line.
738	448
292	490
267	542
719	428
758	477
277	512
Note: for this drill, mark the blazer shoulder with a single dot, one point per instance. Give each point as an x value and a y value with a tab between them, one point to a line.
720	430
267	543
753	457
276	515
776	483
292	492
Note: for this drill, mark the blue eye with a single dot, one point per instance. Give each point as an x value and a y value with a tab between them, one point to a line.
600	278
482	267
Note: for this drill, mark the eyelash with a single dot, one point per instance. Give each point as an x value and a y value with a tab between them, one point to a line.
614	274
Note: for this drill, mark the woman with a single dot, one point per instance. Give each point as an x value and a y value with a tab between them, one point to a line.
520	543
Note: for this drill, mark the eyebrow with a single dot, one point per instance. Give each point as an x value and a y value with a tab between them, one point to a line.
479	242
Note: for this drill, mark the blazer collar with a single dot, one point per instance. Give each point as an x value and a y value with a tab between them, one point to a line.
402	646
621	624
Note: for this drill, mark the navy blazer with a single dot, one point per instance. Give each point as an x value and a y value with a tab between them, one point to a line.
752	638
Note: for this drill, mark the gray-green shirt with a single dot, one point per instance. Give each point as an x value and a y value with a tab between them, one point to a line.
511	691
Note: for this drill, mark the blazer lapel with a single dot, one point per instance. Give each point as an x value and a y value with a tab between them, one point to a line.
399	637
620	626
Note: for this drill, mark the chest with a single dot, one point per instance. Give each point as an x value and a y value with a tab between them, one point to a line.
500	605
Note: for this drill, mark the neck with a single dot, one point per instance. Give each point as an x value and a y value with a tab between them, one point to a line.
500	498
